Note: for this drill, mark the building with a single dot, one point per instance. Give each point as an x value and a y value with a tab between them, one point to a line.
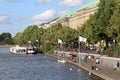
75	19
64	19
48	24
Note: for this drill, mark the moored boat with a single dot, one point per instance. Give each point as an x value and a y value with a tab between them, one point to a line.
30	50
24	50
18	50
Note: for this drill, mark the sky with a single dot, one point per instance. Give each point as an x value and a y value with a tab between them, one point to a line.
17	15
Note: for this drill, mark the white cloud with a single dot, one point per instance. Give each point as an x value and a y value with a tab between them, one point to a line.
43	1
3	18
70	3
46	16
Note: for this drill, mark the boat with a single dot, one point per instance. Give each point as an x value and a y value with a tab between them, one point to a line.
22	50
30	50
18	50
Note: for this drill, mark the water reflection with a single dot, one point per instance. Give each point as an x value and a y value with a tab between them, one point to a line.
38	67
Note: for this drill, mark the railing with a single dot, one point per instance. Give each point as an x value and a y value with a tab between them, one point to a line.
93	51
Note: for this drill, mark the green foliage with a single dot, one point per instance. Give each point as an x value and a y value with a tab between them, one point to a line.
115	49
31	33
17	38
102	25
6	38
48	37
66	34
114	26
95	28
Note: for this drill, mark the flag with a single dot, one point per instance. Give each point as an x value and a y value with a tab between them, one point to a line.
60	41
82	39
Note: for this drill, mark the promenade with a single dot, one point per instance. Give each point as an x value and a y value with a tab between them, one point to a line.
104	71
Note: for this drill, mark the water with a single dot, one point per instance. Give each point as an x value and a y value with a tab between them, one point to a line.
38	67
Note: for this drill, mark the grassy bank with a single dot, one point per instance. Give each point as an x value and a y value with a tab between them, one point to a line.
6	46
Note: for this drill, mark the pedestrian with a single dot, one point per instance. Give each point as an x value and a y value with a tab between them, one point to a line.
86	57
118	64
92	67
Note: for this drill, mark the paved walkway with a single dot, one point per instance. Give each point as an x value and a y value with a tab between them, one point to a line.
105	72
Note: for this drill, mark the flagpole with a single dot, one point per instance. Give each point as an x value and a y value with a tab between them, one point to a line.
80	61
81	39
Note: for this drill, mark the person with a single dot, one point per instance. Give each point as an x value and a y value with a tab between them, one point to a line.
96	68
92	67
86	57
71	56
89	57
118	64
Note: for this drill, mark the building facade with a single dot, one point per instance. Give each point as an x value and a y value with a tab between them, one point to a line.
81	17
76	19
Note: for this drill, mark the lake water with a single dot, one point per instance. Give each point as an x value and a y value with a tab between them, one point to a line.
38	67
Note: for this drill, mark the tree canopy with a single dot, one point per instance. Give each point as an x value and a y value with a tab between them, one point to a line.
104	24
5	38
95	29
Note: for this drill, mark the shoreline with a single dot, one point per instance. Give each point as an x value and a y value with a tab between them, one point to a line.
7	46
96	73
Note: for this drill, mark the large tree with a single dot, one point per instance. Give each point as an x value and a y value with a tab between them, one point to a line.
95	27
113	29
6	38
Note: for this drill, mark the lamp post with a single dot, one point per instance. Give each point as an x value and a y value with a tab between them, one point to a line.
80	61
80	56
102	46
114	41
114	48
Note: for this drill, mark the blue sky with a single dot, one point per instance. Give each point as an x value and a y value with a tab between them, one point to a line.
17	15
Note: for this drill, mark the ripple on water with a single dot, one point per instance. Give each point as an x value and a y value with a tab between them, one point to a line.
38	67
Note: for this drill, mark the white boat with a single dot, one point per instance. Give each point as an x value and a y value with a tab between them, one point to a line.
18	50
30	50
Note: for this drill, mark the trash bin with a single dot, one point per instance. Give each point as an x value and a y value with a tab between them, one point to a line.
97	61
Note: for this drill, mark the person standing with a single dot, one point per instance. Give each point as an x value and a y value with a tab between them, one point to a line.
118	64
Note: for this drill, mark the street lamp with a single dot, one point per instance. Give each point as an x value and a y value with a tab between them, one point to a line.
102	46
114	41
114	47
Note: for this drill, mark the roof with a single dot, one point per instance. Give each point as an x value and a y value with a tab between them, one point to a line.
68	14
91	4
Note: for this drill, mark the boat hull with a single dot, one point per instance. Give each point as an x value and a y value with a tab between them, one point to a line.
18	50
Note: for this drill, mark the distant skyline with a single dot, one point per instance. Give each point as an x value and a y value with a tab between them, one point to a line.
17	15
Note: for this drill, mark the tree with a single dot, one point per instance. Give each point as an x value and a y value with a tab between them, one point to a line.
113	29
17	39
6	38
95	27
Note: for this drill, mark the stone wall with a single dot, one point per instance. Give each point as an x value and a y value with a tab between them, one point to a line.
108	61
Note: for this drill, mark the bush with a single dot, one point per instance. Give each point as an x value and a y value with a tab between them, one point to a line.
113	51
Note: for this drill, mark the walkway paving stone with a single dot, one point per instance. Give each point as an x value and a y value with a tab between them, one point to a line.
105	72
